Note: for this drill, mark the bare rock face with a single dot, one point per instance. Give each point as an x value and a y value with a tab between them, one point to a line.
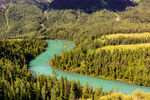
4	4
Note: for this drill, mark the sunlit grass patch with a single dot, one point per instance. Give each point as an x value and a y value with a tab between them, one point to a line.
134	35
131	47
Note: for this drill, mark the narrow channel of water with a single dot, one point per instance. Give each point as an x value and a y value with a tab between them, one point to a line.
40	65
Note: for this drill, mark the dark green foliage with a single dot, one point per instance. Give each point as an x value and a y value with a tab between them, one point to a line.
19	51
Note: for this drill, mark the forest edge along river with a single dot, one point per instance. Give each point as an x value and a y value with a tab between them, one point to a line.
40	65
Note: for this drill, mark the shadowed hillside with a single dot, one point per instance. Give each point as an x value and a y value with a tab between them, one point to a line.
90	6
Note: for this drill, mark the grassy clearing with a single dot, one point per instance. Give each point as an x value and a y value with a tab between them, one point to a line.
133	35
121	35
128	47
137	95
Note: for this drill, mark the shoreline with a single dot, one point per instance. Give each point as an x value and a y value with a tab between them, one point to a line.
101	77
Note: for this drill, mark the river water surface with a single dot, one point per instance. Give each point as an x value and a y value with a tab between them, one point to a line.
40	65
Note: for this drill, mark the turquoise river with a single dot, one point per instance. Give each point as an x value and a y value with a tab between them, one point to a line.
40	65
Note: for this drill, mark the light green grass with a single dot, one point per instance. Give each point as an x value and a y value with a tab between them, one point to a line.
131	47
25	35
126	36
137	95
141	35
132	35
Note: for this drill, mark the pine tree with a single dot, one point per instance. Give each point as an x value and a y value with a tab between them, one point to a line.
72	95
43	92
61	86
79	90
85	91
55	91
66	89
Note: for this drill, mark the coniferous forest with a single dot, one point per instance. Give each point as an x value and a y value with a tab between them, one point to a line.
111	40
17	83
